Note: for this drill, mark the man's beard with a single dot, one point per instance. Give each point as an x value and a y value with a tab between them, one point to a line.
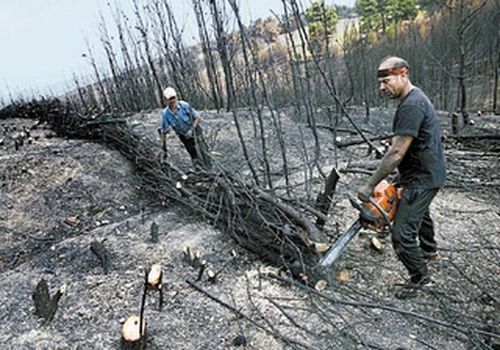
394	95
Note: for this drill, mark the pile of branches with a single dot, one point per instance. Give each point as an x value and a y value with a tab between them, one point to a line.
258	220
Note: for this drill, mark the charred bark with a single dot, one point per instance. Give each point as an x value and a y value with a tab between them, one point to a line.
324	199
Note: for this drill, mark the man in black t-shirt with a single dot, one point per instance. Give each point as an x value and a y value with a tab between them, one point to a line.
417	152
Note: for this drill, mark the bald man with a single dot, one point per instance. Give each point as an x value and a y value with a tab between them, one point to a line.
417	152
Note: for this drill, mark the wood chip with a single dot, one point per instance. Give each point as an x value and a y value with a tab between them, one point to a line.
320	285
321	247
72	221
343	275
376	244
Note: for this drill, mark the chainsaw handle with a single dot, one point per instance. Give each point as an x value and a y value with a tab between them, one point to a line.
381	211
354	202
359	207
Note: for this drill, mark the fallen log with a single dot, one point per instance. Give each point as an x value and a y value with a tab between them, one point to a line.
271	227
345	130
359	142
472	137
356	171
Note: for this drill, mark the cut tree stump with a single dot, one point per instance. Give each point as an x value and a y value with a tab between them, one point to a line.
211	276
193	259
131	339
186	255
102	253
240	340
154	281
324	199
154	276
203	266
154	232
45	305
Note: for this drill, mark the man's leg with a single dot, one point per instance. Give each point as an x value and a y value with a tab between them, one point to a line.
201	148
411	212
426	237
190	146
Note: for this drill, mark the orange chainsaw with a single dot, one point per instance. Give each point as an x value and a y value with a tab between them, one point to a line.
377	214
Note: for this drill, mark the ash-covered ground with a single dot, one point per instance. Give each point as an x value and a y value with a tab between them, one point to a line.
58	195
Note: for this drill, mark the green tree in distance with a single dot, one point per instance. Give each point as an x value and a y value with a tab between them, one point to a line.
321	21
377	16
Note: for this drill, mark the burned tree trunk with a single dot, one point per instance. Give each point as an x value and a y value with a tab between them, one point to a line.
324	199
213	77
496	68
221	38
142	28
454	123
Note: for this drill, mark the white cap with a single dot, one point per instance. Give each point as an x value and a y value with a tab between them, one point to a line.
169	93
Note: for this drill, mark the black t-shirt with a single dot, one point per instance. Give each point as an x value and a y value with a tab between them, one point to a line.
423	164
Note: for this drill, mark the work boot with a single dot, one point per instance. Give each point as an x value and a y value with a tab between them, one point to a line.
411	288
434	258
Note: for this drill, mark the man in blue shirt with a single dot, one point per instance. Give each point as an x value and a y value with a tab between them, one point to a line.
417	152
185	121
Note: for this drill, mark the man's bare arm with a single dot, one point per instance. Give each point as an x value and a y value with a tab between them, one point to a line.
399	147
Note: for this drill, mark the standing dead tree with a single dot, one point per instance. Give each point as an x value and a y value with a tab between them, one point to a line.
143	30
208	57
221	39
327	82
467	15
252	87
102	101
128	83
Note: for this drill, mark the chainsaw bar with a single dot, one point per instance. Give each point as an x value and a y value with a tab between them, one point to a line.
332	255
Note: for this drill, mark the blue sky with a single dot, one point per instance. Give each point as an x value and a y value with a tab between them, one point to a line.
42	41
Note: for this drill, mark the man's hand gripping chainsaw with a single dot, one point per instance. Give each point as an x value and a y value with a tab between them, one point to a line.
376	215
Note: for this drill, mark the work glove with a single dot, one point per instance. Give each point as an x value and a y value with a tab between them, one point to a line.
364	192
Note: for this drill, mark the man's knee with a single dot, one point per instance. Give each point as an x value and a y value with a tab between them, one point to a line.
404	236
